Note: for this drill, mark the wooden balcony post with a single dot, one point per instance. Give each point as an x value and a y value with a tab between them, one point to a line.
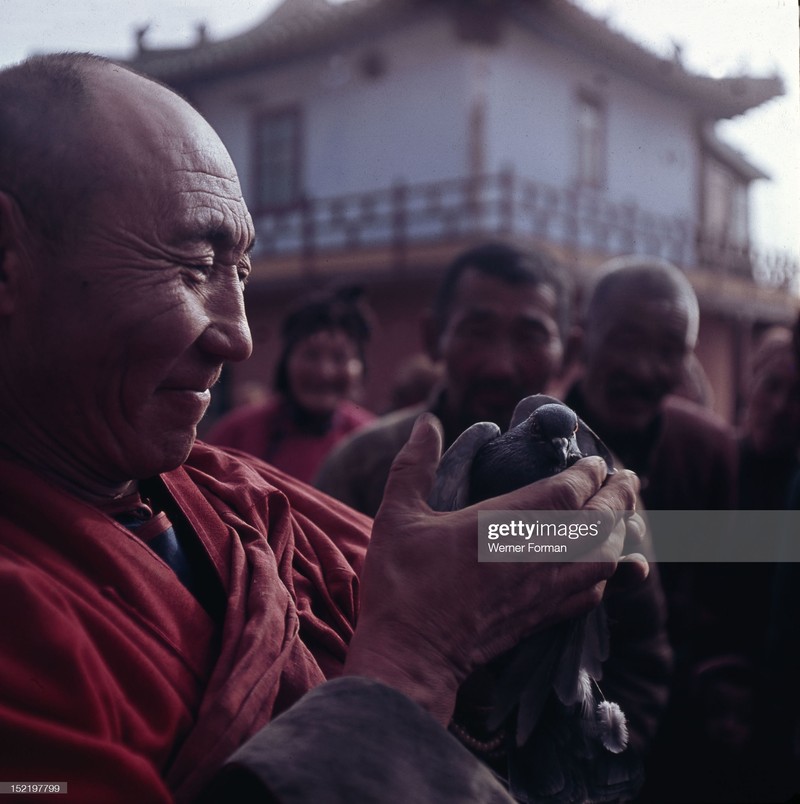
399	223
308	234
506	209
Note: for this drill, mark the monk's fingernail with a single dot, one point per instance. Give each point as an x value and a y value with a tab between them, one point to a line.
421	425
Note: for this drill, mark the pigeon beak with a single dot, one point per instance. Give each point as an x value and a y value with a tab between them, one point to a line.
561	451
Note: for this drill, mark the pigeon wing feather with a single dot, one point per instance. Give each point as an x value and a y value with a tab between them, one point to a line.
451	487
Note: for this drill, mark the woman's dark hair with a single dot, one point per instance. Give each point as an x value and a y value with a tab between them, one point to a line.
342	309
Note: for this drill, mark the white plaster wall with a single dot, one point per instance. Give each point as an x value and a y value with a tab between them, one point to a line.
412	123
529	105
406	125
653	150
651	140
359	133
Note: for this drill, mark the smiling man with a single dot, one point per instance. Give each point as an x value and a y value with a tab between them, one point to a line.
165	600
136	312
639	329
497	325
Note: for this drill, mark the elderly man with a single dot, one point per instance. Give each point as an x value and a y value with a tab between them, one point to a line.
639	329
497	325
164	600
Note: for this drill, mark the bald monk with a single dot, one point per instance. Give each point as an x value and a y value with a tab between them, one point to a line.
165	601
639	331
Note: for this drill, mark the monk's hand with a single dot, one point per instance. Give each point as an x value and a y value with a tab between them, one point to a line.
431	612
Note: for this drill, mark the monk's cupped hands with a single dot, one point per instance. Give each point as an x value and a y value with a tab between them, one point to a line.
431	612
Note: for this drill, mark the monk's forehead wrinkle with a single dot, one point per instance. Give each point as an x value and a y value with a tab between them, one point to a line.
128	247
221	219
222	224
197	162
224	181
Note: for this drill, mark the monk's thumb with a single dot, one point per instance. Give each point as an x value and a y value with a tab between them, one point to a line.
414	468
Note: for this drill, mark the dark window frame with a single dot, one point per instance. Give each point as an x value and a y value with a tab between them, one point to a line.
592	171
294	114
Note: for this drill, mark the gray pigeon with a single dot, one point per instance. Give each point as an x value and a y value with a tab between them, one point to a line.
544	443
564	744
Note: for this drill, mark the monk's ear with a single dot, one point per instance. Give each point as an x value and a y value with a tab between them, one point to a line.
13	234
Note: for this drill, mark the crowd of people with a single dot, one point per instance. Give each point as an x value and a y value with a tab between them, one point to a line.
197	622
632	346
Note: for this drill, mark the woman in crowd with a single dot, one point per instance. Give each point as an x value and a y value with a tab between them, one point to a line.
319	371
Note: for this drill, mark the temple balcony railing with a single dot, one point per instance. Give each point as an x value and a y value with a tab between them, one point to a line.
577	221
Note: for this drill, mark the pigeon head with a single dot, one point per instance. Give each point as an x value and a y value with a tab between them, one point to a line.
549	440
555	427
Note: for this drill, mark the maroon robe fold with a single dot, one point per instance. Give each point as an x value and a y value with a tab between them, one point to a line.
113	678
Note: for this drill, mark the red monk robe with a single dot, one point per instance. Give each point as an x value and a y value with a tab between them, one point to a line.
114	677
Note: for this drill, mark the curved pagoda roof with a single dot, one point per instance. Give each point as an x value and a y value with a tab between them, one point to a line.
299	28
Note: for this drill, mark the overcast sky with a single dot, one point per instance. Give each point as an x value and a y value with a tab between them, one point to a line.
718	37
